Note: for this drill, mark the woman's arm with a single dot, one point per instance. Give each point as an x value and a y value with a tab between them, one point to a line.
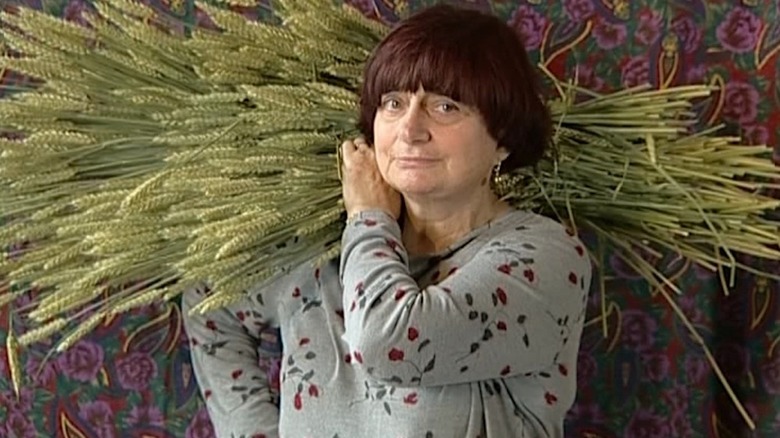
510	310
224	349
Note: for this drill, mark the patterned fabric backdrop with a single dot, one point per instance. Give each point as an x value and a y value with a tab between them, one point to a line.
642	376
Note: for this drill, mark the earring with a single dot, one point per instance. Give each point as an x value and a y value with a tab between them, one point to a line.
497	174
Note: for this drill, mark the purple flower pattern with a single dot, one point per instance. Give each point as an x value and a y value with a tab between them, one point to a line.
18	425
99	416
648	424
609	35
22	404
649	27
657	367
144	415
636	71
42	374
82	361
200	426
688	33
530	24
579	10
741	102
739	30
756	134
136	370
638	330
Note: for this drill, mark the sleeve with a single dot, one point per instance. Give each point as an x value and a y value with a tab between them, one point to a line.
227	365
509	310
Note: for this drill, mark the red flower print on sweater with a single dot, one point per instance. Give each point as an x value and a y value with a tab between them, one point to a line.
501	294
395	355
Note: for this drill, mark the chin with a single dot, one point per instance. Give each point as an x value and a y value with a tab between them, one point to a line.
415	184
415	190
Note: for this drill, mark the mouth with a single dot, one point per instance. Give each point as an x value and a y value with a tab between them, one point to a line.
412	162
416	159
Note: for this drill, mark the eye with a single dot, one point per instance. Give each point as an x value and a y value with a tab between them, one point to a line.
390	103
443	105
447	107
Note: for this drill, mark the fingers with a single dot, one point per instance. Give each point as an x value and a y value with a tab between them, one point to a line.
350	147
345	154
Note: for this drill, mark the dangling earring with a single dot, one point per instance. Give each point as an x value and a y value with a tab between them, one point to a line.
497	174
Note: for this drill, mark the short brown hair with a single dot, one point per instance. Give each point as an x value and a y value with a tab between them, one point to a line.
471	57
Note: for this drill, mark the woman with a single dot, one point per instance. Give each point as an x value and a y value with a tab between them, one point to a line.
448	314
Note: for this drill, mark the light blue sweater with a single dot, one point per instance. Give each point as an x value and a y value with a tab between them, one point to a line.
478	341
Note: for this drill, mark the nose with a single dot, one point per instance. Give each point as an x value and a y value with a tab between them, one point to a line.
414	127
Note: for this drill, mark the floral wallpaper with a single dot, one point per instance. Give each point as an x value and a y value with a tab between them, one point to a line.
640	373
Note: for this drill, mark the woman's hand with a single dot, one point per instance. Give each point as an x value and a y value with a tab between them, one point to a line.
362	185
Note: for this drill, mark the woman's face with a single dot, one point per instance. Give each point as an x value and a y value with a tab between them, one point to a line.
430	145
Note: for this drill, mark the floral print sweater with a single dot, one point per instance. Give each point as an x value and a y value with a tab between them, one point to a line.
479	340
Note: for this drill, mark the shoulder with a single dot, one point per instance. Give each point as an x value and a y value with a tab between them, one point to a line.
523	228
532	241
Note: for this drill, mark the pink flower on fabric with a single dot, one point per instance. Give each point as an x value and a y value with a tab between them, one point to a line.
638	330
587	369
688	33
649	27
739	30
657	367
98	414
755	135
647	424
530	24
136	370
587	77
578	10
82	361
11	403
200	426
608	35
741	102
18	425
47	374
145	416
636	71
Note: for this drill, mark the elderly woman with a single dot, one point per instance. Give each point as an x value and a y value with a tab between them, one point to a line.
449	313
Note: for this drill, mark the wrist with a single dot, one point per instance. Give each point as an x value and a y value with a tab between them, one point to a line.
356	214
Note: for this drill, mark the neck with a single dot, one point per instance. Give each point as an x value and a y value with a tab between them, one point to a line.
432	226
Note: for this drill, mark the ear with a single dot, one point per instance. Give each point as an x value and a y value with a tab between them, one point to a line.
501	153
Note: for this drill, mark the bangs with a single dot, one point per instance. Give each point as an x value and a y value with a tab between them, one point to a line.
439	66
